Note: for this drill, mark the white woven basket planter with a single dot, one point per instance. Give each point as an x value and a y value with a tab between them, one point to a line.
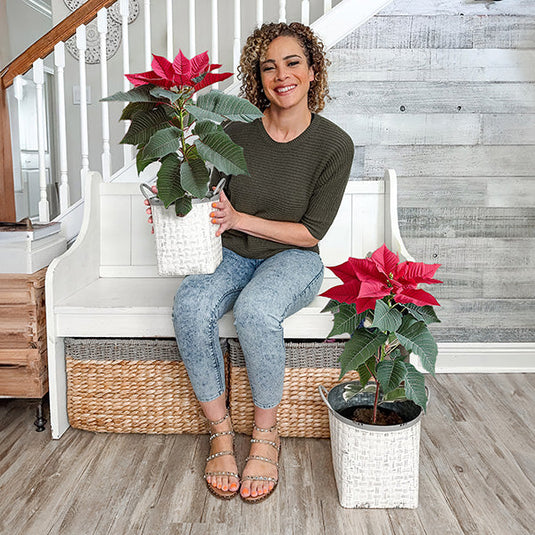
374	466
186	245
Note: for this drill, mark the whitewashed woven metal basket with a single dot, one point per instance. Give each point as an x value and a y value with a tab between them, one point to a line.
185	245
374	466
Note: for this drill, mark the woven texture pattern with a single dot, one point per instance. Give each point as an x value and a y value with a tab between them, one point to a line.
186	245
130	386
375	469
301	413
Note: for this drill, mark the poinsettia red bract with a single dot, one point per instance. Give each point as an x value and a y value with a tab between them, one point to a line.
368	279
182	72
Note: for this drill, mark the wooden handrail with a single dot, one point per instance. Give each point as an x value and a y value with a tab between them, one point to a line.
61	32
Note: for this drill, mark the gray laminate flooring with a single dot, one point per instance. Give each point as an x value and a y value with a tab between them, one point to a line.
477	476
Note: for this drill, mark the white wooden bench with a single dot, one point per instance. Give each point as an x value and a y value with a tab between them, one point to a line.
106	284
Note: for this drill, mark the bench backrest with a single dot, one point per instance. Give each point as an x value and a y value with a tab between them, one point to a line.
128	247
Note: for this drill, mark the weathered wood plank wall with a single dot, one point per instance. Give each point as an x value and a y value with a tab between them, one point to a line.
444	92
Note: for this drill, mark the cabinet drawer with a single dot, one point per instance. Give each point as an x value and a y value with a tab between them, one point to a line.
22	289
25	321
23	373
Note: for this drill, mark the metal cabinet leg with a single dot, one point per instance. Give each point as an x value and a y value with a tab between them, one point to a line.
41	420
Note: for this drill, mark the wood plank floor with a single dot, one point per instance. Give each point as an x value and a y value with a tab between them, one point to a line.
477	476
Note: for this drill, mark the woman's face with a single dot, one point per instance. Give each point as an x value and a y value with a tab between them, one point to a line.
285	74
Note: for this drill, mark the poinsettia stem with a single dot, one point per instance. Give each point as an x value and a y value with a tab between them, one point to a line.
375	402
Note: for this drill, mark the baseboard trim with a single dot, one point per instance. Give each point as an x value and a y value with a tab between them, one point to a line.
486	357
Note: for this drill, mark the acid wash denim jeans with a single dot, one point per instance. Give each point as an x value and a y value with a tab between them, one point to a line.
263	292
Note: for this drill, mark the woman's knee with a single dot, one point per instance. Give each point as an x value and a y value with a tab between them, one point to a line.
250	315
190	303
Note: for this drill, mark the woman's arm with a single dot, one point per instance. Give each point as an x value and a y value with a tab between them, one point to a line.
285	232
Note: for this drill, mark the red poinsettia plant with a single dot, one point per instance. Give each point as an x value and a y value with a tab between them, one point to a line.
387	315
167	126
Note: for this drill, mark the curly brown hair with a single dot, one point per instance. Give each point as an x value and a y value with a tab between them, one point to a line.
255	50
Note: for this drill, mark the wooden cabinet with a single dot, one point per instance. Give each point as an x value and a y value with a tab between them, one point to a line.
23	355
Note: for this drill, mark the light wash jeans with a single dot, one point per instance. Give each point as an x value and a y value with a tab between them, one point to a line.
263	293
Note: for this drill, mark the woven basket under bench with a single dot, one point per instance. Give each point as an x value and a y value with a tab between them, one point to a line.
302	412
130	386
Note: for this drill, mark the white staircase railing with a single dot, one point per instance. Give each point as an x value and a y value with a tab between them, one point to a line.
96	147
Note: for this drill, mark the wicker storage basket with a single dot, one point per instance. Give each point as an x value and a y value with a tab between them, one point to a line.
130	386
374	466
301	411
185	245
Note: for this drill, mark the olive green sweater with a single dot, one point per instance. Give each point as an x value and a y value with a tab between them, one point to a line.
301	181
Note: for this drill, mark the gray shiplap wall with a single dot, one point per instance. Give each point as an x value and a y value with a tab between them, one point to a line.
443	91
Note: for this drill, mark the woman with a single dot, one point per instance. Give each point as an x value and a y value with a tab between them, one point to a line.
270	224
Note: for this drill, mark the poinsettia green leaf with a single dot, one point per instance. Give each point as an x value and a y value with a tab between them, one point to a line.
141	163
415	386
144	124
163	142
397	394
346	319
133	107
230	106
426	313
168	183
183	206
351	390
386	318
204	128
220	150
415	336
160	92
137	94
195	177
362	345
390	373
366	369
331	305
204	115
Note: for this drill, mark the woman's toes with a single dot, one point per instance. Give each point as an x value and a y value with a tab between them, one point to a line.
245	491
233	486
224	484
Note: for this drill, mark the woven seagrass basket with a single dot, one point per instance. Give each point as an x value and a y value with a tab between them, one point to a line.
302	412
130	386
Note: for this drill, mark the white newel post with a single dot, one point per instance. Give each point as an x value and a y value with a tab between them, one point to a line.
148	56
81	44
59	61
215	37
305	12
102	26
327	6
39	80
124	9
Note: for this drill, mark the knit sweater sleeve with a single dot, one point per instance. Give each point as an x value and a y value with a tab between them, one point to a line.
329	191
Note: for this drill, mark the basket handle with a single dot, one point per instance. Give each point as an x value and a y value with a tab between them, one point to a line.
323	393
219	187
144	188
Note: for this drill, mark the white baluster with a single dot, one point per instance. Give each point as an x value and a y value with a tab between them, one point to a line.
59	61
191	28
123	9
327	6
102	26
215	37
282	10
81	45
39	80
148	53
259	12
237	37
305	12
170	49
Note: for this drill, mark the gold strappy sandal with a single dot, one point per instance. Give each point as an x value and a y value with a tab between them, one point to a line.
218	493
277	447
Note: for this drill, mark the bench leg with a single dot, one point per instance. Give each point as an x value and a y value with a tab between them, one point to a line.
40	420
57	384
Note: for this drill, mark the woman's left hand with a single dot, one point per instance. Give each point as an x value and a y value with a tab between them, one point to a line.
224	214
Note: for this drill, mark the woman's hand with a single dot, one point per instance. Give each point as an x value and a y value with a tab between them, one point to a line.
224	214
149	209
